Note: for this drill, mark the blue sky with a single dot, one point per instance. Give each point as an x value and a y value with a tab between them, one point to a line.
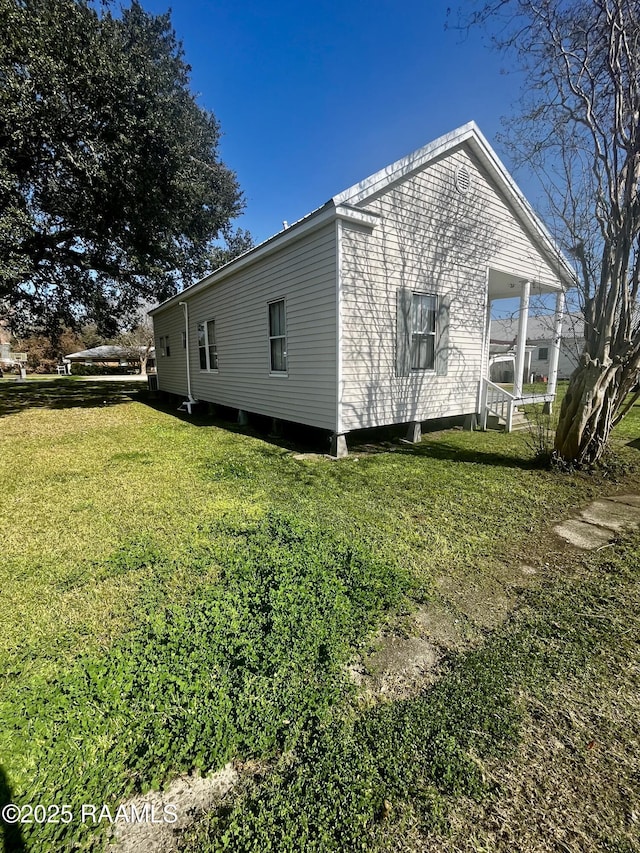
313	97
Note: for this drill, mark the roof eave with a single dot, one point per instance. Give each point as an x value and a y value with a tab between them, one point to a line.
322	216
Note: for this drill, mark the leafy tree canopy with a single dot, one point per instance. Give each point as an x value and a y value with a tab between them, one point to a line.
111	188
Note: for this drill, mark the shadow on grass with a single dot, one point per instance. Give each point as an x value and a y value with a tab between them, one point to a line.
305	439
292	436
63	394
452	453
11	832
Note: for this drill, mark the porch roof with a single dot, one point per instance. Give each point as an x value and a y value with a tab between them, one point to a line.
508	285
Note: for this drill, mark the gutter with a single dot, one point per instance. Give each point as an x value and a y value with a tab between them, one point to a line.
190	401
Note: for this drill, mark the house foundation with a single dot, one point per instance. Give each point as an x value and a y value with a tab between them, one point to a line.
339	447
414	432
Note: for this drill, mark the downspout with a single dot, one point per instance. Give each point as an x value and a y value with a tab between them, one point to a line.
185	309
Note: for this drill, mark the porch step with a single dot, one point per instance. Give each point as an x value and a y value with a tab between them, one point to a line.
519	422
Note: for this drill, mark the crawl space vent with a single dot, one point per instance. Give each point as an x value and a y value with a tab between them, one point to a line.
463	179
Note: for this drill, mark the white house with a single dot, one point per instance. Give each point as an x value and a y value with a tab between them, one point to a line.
375	308
540	335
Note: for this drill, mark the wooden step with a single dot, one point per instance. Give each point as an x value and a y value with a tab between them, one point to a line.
519	422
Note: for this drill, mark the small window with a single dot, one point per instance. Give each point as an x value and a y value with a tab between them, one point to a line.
277	337
162	347
423	331
184	340
207	348
168	347
543	354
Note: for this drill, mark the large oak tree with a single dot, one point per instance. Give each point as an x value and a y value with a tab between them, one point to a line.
580	128
112	191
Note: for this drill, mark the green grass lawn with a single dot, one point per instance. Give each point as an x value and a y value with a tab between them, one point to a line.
177	593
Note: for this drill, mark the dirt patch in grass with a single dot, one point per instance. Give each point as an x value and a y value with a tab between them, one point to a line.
399	668
411	653
168	813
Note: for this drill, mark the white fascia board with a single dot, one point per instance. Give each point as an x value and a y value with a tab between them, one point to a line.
531	219
401	168
322	216
472	134
358	215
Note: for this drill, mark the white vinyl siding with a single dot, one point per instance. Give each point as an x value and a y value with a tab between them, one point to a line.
428	233
304	274
172	371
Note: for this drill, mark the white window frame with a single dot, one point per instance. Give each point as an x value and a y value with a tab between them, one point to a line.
274	371
207	346
414	334
544	350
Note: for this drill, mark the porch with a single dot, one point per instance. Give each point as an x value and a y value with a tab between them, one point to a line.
504	401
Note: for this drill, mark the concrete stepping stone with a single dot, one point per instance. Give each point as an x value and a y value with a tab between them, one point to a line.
611	514
600	521
582	534
630	500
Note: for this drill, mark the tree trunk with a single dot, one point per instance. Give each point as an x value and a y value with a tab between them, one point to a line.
587	412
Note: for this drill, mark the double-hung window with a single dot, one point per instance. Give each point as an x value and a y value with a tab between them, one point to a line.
207	348
277	337
423	331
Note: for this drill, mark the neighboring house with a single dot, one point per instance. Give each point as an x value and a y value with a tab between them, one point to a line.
9	359
540	335
375	308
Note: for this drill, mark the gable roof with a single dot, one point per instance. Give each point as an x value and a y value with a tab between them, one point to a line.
343	206
471	135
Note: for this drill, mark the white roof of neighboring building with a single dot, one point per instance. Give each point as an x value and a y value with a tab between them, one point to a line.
105	353
539	328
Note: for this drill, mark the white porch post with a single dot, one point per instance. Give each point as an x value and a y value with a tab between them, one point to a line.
522	338
555	346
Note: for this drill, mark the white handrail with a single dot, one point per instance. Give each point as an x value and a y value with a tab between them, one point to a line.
497	401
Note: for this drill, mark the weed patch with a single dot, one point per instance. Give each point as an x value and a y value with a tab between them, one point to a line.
357	785
242	669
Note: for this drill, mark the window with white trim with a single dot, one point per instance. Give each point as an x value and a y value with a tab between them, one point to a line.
423	331
543	353
277	337
207	348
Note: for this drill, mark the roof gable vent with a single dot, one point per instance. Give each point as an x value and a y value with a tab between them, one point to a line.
462	179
